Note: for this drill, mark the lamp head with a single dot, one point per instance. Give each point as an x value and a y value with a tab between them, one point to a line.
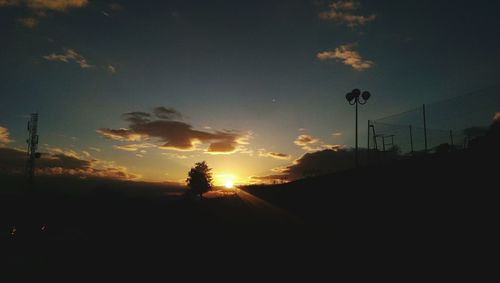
349	96
356	92
366	95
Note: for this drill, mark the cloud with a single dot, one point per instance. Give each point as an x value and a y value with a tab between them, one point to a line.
312	144
4	136
111	69
168	133
120	134
275	155
69	55
40	8
4	3
175	155
55	5
337	134
28	22
343	12
347	55
133	147
63	162
333	146
496	118
167	113
304	140
314	163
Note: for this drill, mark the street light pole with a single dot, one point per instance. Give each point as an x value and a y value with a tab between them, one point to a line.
355	97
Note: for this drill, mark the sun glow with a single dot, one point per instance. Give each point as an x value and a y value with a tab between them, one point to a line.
225	180
229	184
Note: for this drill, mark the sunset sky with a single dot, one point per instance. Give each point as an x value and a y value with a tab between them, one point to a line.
144	89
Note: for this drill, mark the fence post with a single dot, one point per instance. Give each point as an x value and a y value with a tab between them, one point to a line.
411	140
425	127
374	137
368	144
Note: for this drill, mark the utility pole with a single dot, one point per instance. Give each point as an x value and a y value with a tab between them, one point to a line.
32	142
411	140
368	145
425	127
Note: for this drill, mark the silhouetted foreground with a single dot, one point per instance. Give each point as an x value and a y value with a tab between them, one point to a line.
448	195
442	204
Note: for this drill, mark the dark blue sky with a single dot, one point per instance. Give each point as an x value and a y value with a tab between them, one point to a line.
250	66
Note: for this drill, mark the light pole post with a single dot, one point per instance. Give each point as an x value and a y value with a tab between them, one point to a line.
355	97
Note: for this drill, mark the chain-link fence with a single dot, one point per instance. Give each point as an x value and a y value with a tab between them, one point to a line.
443	125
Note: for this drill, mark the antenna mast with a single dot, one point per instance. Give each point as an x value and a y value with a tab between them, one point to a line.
32	146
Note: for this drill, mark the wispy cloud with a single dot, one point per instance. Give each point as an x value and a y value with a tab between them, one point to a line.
175	155
111	69
121	134
163	127
344	12
69	55
275	155
347	55
28	22
134	147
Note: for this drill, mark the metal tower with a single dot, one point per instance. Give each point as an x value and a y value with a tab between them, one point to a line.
32	146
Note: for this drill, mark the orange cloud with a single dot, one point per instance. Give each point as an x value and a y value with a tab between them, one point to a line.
120	134
4	136
304	140
347	55
55	5
496	118
40	7
343	12
172	134
63	162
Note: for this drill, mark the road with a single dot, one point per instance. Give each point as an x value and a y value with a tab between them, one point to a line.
266	210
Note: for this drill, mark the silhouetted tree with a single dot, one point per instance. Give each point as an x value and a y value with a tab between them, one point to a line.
199	179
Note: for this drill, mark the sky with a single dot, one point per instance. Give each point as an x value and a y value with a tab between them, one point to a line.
142	90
